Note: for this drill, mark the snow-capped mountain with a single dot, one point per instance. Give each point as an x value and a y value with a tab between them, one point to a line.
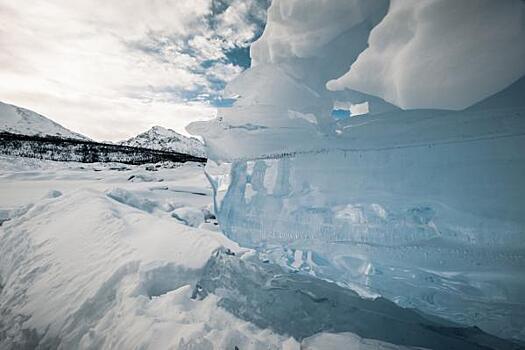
24	133
17	120
160	138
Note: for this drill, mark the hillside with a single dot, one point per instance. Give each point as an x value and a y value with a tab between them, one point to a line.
17	120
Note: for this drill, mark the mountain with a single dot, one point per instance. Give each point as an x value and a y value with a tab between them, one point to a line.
160	138
25	133
17	120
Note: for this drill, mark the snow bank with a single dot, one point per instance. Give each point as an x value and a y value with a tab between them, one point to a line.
83	271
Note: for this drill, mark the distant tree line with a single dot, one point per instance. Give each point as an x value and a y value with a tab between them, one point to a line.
62	149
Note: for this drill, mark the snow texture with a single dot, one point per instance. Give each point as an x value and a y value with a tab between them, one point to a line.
108	268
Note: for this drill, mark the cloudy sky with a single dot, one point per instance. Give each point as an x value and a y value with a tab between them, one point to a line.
110	69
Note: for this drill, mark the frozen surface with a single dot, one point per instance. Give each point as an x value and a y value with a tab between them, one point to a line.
422	207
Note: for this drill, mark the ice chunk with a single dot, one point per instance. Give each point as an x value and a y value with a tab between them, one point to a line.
189	216
424	207
53	194
301	306
132	199
416	201
429	54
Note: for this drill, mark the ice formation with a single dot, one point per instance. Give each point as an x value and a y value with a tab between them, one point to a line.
479	43
94	266
423	207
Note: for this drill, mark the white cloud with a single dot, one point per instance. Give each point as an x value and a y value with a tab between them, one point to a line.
224	72
234	23
111	68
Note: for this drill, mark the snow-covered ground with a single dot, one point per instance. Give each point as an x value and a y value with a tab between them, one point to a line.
102	256
92	258
109	256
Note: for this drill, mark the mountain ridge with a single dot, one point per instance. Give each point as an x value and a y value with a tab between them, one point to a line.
164	139
18	120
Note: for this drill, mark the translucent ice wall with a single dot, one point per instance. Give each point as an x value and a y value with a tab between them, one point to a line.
424	207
